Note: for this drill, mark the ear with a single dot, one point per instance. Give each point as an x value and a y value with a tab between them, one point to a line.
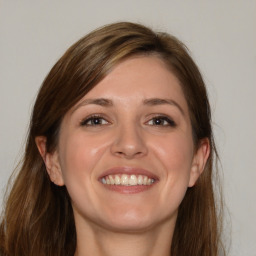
51	161
199	161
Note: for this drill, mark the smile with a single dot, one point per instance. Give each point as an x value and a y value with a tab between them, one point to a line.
127	180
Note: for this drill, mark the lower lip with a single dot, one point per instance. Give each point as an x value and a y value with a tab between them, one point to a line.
128	189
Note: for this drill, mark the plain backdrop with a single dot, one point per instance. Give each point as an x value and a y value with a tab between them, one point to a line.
221	36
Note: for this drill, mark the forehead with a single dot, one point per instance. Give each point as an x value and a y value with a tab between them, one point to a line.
139	78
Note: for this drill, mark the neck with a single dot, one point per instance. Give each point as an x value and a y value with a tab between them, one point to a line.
97	241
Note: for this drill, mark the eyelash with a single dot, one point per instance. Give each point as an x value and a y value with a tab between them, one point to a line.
91	119
168	121
164	121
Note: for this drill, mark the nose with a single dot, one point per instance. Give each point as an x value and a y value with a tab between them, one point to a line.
129	143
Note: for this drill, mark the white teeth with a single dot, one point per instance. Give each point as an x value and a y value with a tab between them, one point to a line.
127	180
112	181
133	180
124	179
140	180
117	180
145	180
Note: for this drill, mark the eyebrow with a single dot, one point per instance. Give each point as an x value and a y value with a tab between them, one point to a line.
100	101
158	101
149	102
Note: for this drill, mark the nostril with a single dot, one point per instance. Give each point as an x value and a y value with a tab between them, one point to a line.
128	155
129	144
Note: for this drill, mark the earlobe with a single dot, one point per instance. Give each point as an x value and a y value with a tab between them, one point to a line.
199	161
51	161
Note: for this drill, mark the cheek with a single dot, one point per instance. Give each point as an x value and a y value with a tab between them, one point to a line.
175	155
79	155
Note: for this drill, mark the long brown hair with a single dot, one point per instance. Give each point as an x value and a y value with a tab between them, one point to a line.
38	217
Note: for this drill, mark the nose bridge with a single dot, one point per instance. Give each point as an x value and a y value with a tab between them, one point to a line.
129	140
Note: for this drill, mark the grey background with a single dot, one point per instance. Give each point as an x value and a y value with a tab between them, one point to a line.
222	38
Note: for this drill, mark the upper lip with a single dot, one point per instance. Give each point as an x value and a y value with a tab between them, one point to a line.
128	170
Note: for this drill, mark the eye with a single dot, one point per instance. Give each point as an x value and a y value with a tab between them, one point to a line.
161	121
94	121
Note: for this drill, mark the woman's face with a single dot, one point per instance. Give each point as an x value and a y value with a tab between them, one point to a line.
125	151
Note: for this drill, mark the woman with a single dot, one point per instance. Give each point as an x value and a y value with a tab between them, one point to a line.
119	156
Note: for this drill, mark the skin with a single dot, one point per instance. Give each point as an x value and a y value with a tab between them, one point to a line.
129	134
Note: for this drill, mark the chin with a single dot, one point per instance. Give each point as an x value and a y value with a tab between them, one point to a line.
132	221
123	225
